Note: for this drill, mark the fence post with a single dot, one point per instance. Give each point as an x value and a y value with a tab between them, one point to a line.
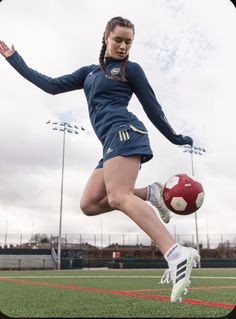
19	263
65	241
193	240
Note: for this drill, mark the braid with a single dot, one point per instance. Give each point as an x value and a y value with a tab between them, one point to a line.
116	21
122	69
102	54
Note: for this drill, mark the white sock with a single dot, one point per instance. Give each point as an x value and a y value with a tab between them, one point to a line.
148	193
151	194
173	253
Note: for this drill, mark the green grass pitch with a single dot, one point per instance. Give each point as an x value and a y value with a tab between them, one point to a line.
114	293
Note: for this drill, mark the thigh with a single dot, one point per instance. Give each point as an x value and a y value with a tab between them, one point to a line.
95	189
120	173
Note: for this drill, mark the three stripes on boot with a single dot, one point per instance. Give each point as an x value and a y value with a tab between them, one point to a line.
181	270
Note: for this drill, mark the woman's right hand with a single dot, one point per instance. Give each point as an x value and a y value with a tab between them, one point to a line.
5	50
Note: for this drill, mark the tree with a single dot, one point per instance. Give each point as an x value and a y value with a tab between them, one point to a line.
40	238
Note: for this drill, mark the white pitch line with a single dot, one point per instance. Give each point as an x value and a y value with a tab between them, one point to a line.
111	276
85	276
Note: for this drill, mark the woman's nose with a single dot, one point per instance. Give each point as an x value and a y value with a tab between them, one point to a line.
122	45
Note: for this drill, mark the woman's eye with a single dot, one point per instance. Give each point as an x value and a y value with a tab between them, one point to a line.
120	41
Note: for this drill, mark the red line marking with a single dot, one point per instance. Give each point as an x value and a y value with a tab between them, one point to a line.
121	292
192	288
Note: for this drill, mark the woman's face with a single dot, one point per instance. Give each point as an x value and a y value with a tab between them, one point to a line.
119	42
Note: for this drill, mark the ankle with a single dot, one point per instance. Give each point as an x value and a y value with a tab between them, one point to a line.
153	192
173	252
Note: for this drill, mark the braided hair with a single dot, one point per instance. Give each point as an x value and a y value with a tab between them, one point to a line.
116	21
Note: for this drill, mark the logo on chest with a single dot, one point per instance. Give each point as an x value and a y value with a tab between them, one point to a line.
115	71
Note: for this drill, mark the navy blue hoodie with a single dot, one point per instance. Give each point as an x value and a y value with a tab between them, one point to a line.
107	99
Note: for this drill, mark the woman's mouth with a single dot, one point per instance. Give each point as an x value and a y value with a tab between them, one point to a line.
121	53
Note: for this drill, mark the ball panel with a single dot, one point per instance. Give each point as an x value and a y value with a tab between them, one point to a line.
200	199
178	203
172	182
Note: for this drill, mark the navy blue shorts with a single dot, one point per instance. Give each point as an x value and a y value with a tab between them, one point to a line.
127	142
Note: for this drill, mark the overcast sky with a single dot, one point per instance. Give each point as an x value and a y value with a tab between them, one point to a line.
187	49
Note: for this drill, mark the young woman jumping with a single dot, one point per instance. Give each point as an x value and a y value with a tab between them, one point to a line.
108	87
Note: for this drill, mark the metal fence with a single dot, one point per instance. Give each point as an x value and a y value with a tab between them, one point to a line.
104	240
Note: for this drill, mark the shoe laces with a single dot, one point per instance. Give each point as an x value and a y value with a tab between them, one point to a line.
167	276
195	263
165	215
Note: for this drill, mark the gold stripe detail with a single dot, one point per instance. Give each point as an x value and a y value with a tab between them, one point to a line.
124	136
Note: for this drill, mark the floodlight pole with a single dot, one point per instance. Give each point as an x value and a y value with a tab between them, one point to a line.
195	213
5	242
198	151
69	128
61	202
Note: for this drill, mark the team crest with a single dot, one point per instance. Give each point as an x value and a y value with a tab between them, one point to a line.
115	71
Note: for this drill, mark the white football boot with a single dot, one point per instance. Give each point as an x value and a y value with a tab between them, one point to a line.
179	272
155	196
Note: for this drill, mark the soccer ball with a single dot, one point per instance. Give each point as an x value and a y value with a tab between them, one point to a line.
182	194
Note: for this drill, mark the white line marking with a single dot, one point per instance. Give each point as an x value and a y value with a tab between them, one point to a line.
111	276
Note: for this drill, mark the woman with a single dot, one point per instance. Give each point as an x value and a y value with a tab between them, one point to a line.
108	88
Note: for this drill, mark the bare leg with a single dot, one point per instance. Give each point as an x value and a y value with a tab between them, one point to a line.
94	198
120	174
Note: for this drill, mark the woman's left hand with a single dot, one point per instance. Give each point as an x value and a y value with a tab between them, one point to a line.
182	140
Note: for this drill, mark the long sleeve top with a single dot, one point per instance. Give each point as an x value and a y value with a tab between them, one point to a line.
107	98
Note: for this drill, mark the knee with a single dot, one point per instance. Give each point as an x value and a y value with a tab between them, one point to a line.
87	208
116	201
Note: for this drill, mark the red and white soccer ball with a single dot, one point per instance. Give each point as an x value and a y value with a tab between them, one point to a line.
183	195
